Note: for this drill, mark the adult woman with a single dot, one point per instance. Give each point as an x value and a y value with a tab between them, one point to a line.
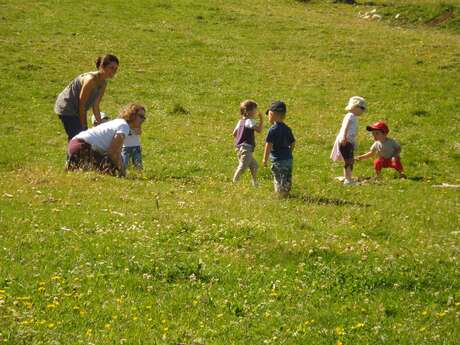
84	92
99	148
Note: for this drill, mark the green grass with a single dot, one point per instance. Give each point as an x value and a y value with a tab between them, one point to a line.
178	255
416	12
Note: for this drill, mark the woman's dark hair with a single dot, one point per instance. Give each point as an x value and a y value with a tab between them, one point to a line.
105	60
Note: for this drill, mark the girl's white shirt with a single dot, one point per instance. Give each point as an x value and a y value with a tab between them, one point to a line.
352	133
352	120
248	123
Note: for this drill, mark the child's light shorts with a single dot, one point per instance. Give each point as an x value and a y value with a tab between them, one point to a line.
245	157
282	175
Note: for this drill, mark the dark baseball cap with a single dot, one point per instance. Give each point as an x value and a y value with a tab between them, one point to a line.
277	107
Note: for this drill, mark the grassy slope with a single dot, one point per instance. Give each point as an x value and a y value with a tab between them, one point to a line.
180	255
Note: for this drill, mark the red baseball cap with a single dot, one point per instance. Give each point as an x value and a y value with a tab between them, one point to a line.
378	126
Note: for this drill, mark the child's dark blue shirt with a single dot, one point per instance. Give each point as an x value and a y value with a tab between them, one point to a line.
280	135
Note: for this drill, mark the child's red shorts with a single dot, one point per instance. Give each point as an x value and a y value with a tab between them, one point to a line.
388	163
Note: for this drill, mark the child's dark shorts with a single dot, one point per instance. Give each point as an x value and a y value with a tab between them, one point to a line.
347	152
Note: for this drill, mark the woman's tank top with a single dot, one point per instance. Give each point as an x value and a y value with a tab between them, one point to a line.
68	101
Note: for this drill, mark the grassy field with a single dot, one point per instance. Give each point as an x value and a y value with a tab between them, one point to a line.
179	255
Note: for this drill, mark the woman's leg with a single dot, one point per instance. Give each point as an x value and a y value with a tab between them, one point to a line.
79	153
71	125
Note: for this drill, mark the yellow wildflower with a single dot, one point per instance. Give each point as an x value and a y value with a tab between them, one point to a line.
339	330
442	313
25	298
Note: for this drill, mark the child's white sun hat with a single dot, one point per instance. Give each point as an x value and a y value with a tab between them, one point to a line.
356	101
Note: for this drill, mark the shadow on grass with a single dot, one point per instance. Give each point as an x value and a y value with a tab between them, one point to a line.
416	178
321	200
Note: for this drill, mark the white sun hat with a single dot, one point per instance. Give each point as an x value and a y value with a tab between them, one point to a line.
356	101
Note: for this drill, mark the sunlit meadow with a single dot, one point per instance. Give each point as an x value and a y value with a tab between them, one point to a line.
177	254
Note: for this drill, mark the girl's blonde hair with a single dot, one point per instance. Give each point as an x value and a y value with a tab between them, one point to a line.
129	111
247	106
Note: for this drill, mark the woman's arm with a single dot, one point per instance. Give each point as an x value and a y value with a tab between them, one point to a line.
87	87
96	109
114	151
267	150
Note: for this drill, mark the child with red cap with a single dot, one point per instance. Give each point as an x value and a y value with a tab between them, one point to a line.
385	148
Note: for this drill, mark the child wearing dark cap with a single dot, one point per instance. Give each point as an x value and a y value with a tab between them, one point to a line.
385	148
279	145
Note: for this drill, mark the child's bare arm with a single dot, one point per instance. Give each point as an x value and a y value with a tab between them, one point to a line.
267	150
234	131
345	134
260	125
365	156
137	130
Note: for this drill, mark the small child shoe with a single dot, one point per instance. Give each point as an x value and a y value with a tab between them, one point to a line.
348	182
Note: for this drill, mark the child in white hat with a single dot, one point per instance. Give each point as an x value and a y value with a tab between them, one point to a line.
104	118
346	140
